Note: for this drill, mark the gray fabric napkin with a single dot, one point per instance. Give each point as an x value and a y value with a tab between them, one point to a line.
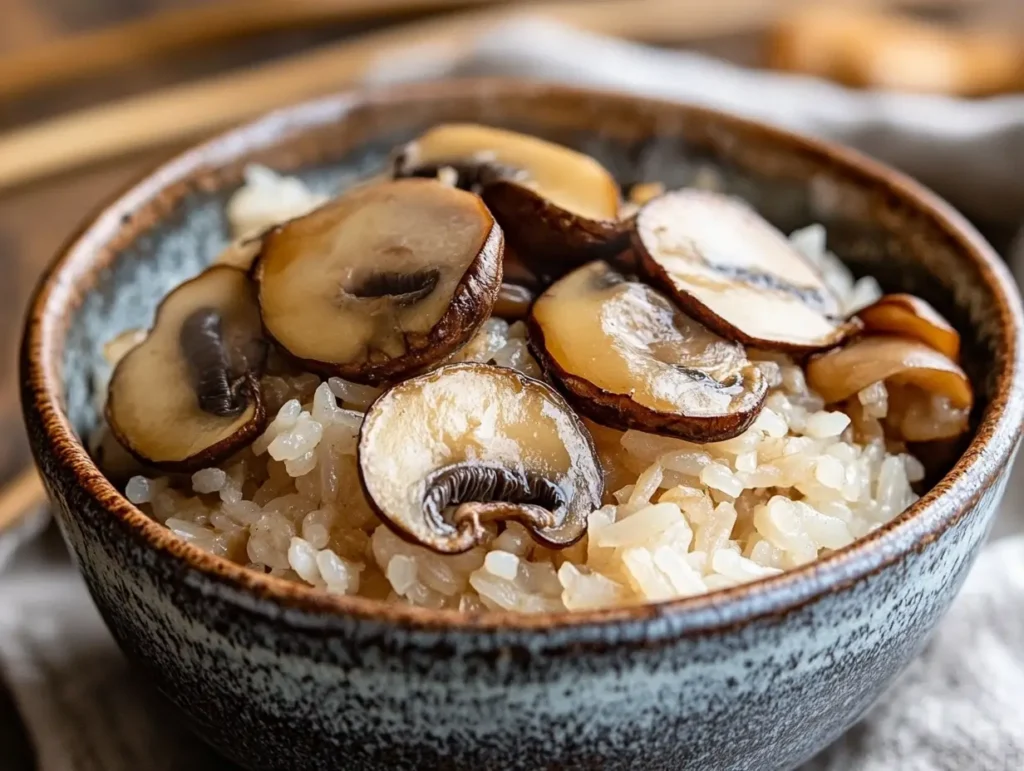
961	703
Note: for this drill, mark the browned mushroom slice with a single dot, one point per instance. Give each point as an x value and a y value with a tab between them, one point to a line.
188	396
513	302
910	316
381	282
627	358
930	395
558	207
731	270
443	453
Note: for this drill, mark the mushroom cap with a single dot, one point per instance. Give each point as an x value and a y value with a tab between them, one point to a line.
557	206
627	358
734	272
382	282
154	401
468	434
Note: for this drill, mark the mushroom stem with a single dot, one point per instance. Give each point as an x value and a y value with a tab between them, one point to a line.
471	516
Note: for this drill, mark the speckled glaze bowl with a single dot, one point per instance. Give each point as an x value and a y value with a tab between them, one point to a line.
278	676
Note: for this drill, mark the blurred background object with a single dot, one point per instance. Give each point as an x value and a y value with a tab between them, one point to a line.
870	48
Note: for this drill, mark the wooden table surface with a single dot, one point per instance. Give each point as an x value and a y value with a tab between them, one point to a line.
35	220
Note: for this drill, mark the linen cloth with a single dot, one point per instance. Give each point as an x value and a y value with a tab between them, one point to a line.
959	706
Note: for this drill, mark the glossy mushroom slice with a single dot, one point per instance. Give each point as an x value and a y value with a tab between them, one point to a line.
443	453
731	270
383	281
909	316
513	303
930	396
627	358
558	208
188	395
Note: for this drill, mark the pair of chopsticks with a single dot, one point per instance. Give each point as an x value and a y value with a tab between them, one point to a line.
181	30
183	112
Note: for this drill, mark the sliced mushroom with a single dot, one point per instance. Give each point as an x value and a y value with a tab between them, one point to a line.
443	453
910	316
731	270
627	358
383	281
188	395
513	302
558	208
930	396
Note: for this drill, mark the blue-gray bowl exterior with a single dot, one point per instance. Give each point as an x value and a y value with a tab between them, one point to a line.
759	677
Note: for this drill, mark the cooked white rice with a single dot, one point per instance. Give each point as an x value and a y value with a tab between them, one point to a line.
680	518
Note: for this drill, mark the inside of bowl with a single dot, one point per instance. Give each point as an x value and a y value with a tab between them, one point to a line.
871	227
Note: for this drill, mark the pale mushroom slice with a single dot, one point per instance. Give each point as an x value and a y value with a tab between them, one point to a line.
559	208
734	272
443	453
188	395
930	396
382	282
627	358
909	316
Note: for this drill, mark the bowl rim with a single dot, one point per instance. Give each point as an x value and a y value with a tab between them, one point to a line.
70	275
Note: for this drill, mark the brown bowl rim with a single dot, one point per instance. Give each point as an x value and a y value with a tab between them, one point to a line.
923	522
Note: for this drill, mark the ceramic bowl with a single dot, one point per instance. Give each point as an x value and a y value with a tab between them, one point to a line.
279	676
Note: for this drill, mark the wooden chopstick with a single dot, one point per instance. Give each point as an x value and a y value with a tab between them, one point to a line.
182	112
181	30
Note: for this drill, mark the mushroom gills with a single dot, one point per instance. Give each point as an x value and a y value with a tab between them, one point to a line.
627	358
558	207
188	395
221	385
734	272
444	453
382	282
483	492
